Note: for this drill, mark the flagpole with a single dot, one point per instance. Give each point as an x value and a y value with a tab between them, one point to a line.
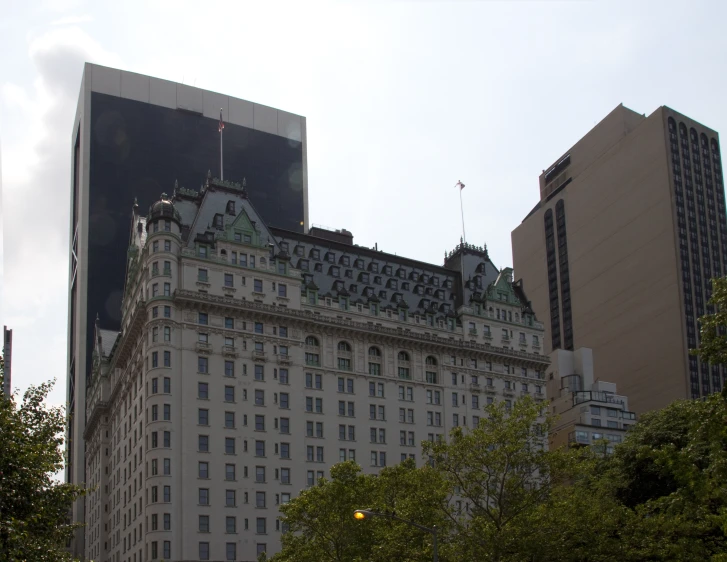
461	208
222	126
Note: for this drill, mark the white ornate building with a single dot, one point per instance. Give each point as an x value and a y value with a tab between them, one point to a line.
251	359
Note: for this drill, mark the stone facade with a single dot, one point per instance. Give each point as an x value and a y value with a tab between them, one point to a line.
252	359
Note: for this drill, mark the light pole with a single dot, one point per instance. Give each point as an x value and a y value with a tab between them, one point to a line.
362	514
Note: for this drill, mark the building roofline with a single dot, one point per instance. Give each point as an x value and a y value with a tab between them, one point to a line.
369	252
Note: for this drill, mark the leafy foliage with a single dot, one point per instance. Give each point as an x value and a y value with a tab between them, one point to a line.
33	507
497	474
660	496
713	330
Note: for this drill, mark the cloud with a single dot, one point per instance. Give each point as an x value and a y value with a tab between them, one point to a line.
73	20
36	194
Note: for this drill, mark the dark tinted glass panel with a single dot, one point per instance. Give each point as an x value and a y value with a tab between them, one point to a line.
139	150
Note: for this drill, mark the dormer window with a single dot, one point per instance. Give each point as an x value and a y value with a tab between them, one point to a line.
335	271
231	208
401	273
435	280
377	280
348	274
374	267
331	257
364	278
387	270
303	265
382	295
202	251
359	264
425	278
238	237
247	239
405	286
299	250
315	254
345	260
284	246
217	222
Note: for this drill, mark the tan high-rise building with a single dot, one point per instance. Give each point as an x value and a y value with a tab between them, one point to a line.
618	254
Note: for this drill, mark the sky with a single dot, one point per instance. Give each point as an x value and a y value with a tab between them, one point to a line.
402	100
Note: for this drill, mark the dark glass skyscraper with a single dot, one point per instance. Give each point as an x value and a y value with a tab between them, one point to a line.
138	136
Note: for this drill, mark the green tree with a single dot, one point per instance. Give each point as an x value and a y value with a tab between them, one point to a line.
671	471
321	527
498	474
414	494
34	507
713	330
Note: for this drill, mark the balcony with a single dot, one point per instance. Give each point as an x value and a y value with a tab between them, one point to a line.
203	347
283	359
579	438
475	387
473	332
508	392
490	389
595	396
229	351
258	355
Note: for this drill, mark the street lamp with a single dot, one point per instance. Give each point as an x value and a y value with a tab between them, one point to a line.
361	514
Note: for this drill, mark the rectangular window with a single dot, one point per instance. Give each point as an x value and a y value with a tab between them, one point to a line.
229	368
229	280
230	498
257	285
230	420
203	417
282	290
230	472
204	551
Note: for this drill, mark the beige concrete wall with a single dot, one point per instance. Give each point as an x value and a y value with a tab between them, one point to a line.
625	283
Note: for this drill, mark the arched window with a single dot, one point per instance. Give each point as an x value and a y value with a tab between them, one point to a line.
344	362
431	360
374	361
404	372
312	341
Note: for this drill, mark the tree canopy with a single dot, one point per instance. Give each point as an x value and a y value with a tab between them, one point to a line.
496	493
34	508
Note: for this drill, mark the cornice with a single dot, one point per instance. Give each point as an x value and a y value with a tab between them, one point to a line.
405	336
